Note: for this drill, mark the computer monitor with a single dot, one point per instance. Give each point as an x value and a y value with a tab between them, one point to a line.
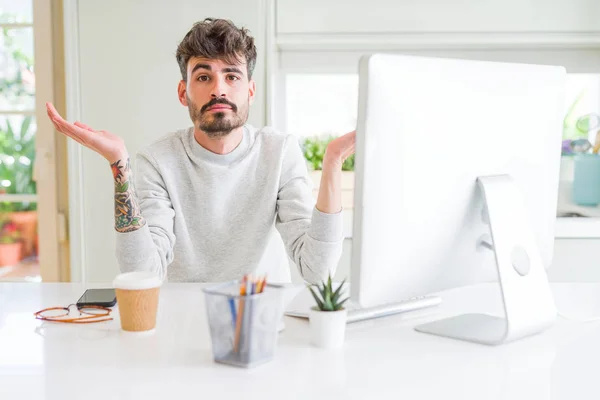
427	129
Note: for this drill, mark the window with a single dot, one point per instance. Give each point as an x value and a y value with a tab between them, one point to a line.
318	104
317	108
18	195
581	125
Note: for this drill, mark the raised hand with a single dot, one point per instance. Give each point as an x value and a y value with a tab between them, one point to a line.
128	215
108	145
339	149
330	189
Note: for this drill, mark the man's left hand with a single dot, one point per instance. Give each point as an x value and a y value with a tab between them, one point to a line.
339	149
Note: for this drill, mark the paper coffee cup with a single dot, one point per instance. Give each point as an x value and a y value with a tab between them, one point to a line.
137	298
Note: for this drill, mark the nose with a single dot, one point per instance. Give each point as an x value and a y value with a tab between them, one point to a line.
218	89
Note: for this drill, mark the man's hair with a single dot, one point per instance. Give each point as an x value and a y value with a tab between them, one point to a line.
217	39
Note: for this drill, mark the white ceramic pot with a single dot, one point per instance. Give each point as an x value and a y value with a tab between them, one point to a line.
328	328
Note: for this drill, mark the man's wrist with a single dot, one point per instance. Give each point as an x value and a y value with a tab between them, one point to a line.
331	162
122	156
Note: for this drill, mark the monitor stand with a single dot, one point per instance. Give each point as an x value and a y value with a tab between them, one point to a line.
528	303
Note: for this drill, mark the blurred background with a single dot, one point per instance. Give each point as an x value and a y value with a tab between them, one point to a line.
111	64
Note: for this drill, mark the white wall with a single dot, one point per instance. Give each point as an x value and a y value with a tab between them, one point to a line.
456	16
128	86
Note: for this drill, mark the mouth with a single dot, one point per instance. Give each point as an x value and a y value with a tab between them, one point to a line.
219	107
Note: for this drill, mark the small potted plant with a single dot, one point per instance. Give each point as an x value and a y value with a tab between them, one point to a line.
328	317
10	244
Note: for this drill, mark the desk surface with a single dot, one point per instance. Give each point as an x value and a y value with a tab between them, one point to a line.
380	357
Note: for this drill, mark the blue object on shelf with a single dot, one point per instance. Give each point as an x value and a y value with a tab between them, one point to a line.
581	146
586	180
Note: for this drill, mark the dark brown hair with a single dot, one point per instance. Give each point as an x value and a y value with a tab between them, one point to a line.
217	39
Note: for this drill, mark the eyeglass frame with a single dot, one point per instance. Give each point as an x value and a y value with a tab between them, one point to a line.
88	319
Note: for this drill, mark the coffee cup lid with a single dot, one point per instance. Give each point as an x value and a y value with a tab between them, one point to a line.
137	281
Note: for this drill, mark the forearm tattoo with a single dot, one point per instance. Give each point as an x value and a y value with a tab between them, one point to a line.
128	216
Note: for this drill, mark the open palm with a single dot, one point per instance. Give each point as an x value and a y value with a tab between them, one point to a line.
108	145
342	147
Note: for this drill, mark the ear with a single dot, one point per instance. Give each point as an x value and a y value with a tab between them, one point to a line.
181	92
251	91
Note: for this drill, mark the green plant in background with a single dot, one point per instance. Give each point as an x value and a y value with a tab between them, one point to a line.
329	300
17	155
17	146
314	151
571	130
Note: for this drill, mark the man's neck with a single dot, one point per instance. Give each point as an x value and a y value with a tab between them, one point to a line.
222	145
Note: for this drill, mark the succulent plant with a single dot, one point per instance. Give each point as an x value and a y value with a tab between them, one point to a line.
329	299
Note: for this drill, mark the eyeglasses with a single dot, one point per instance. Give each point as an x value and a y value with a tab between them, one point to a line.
87	314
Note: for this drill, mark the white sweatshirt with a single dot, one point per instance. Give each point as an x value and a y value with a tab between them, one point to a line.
208	216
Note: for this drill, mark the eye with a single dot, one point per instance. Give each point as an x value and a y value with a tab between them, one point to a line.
203	78
233	77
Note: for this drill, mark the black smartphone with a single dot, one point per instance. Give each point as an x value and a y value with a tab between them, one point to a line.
98	297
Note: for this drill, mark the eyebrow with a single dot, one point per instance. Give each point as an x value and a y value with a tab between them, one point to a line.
232	69
208	67
203	66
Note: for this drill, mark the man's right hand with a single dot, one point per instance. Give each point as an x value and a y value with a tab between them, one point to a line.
108	145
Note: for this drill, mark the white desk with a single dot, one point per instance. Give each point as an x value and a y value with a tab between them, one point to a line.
381	357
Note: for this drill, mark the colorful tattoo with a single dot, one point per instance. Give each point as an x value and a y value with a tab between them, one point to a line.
128	216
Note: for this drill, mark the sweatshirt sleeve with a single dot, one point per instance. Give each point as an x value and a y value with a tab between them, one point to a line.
149	248
313	239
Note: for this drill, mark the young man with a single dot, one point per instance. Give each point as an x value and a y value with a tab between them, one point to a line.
205	198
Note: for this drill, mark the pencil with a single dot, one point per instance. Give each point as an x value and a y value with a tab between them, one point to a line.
233	312
240	315
261	284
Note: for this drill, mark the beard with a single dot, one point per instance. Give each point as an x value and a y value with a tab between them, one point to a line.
218	124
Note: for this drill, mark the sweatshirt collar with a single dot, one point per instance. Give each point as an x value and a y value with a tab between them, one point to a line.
199	153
